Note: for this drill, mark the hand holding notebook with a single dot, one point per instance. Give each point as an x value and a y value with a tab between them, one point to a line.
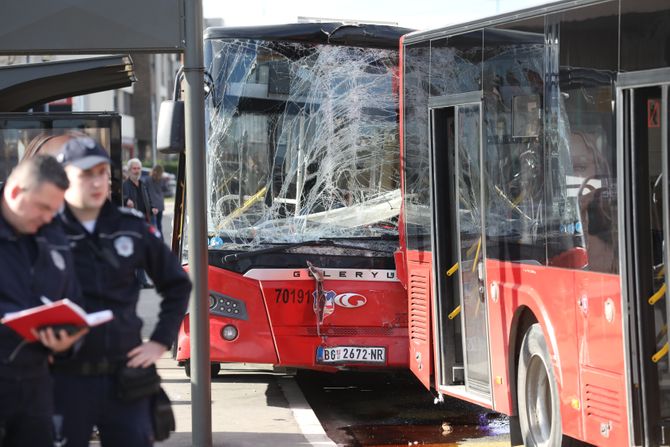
59	314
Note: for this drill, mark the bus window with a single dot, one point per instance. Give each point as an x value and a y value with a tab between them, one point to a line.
581	196
416	156
514	148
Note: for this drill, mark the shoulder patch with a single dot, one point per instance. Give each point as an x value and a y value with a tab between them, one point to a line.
131	212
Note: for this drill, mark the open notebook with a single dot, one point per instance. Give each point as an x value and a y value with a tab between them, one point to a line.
57	313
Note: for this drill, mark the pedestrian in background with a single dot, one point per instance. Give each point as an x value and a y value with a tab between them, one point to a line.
136	196
157	187
135	191
98	385
35	262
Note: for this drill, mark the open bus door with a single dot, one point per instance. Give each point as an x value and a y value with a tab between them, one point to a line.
459	262
643	160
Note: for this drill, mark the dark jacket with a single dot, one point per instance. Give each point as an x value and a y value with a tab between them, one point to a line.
130	191
31	266
105	262
156	190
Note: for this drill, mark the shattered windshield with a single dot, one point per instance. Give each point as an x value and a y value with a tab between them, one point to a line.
302	143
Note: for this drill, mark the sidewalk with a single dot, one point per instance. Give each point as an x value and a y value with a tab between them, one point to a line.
251	407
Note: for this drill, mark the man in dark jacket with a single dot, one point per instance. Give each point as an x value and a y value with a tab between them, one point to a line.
109	244
135	192
35	262
136	196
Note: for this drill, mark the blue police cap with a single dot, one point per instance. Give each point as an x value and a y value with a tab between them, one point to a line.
82	152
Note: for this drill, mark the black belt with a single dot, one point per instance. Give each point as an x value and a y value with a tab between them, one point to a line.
101	367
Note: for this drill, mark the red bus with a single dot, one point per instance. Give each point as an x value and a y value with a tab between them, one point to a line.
303	197
535	208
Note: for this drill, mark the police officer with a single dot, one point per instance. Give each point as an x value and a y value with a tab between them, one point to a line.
109	244
35	262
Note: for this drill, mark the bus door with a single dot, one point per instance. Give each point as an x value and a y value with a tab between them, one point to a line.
642	119
459	246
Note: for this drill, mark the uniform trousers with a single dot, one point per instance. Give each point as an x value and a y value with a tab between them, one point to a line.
26	410
87	401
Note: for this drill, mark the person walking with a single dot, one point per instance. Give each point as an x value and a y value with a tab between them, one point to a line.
109	244
157	187
35	262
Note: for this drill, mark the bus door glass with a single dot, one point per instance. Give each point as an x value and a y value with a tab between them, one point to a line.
644	115
468	209
458	204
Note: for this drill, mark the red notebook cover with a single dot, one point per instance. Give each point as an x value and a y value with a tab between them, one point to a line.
59	312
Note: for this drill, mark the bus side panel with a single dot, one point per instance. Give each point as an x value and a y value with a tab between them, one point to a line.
604	407
549	294
254	342
364	313
601	358
419	287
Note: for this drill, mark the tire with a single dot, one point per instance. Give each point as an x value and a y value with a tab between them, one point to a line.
214	369
537	393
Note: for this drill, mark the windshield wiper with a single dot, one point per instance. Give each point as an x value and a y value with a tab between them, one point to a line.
319	242
247	254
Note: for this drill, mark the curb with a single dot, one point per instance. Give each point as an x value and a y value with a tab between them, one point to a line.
304	416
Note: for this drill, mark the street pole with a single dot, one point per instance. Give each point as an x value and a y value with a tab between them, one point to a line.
194	113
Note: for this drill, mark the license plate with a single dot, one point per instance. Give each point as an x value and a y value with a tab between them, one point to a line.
351	354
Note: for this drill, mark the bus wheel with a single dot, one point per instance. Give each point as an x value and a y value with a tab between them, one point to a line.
214	369
537	393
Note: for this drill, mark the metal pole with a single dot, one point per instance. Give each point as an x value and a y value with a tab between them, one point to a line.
194	112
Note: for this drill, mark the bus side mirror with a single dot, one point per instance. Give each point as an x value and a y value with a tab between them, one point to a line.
170	138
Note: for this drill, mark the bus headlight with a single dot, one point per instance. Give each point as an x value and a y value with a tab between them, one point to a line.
212	302
229	332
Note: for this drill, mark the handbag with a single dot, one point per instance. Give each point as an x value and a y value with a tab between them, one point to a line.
162	416
136	383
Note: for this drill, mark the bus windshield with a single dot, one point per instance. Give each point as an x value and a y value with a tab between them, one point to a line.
302	142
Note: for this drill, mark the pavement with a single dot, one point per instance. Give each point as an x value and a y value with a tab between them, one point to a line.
252	405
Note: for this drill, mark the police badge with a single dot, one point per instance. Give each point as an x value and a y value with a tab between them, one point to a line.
124	246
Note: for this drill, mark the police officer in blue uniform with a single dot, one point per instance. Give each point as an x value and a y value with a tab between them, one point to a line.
35	262
109	244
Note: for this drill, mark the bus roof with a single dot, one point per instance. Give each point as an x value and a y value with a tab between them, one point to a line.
460	28
363	35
